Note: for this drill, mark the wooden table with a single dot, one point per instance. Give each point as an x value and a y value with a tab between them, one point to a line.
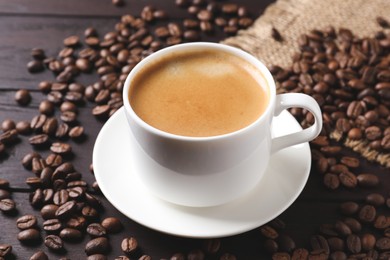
26	24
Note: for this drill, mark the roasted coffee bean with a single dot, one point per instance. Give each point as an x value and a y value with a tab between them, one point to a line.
382	222
342	228
29	235
62	130
60	197
225	256
5	250
66	209
196	254
39	140
77	222
348	179
28	159
98	245
37	122
286	243
281	256
61	148
335	244
22	97
383	243
46	176
375	199
46	107
39	255
44	86
70	234
35	66
367	180
97	257
318	242
331	181
4	194
89	212
36	198
49	211
112	225
47	195
269	232
349	208
178	256
76	132
368	241
53	242
23	127
367	213
7	125
354	244
4	184
26	222
68	117
129	245
350	162
96	230
34	182
7	205
212	246
52	225
9	137
353	224
338	255
300	253
53	160
76	193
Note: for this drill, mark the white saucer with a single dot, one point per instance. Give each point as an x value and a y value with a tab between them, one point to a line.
283	181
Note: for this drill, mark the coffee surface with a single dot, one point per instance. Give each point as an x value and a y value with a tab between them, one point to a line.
199	93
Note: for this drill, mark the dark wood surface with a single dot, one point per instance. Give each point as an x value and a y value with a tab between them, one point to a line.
25	24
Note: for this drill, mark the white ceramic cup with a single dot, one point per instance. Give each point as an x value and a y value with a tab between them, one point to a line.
210	171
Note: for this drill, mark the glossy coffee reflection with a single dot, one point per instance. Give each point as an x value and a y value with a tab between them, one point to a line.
199	93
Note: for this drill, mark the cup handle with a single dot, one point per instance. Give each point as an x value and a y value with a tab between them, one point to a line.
284	101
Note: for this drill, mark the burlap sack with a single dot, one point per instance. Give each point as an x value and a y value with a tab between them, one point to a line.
294	17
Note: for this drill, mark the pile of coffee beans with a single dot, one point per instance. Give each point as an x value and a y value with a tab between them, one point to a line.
350	79
69	209
348	76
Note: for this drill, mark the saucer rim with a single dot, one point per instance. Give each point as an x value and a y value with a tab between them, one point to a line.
160	228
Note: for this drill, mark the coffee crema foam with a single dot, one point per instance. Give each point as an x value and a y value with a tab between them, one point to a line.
199	93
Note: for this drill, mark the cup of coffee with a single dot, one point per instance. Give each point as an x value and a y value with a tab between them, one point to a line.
200	118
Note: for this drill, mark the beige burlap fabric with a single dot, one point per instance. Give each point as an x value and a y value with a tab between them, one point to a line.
295	17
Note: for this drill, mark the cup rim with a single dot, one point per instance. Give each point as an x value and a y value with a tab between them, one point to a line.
266	74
